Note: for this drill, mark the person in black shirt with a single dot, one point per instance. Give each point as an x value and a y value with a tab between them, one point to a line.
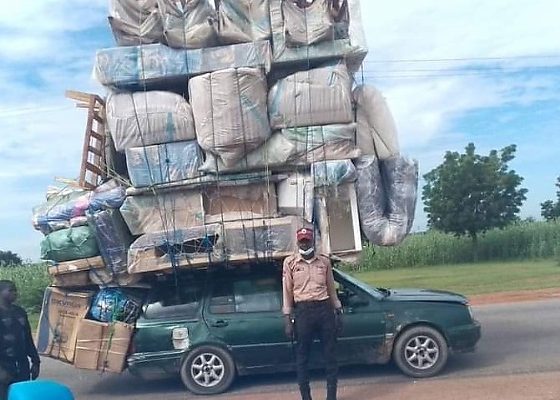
16	341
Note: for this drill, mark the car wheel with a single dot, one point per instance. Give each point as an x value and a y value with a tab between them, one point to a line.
208	370
420	352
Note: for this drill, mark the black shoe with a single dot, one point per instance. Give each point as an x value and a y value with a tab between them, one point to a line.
305	392
331	392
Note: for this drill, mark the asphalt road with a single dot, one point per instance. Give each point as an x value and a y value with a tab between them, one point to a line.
519	339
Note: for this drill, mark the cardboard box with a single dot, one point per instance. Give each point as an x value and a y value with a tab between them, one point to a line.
102	346
73	279
58	325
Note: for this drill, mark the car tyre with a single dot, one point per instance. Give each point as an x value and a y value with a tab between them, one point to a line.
420	352
208	370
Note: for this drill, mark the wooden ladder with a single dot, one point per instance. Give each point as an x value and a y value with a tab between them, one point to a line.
94	165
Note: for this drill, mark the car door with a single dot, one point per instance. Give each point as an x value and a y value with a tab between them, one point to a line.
364	325
245	314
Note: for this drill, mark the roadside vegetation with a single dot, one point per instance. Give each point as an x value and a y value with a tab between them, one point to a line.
470	279
31	281
520	241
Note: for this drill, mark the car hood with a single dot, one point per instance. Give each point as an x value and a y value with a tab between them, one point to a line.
425	295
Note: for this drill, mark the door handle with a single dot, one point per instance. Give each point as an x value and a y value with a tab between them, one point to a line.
219	324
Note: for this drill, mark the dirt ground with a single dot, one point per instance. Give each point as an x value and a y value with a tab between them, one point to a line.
512	297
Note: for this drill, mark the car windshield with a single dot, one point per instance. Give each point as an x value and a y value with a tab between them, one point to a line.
374	292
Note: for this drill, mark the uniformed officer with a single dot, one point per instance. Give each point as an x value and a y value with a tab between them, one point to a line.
310	307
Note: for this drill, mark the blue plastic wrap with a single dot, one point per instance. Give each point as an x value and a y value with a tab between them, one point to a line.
163	163
59	210
113	238
132	67
111	305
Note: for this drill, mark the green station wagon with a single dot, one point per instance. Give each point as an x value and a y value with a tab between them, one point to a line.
213	326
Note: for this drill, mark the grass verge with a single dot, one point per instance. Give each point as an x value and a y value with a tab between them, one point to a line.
470	279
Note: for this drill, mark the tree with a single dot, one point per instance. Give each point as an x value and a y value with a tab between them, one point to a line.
468	193
549	209
9	258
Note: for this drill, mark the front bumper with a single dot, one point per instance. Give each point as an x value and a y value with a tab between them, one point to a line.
463	339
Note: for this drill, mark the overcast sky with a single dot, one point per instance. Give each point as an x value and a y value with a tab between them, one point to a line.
486	72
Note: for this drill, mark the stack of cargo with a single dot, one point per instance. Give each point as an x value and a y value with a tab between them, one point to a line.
240	122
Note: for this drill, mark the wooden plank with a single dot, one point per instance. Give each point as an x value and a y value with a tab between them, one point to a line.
94	169
95	151
96	135
98	118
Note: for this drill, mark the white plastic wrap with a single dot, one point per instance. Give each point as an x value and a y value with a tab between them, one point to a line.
135	22
163	163
349	39
147	118
242	21
309	25
294	146
386	198
376	132
230	112
333	173
165	210
319	96
134	67
189	24
296	196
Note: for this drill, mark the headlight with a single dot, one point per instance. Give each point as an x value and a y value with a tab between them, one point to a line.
470	311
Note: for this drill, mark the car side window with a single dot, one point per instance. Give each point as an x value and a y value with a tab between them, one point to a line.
258	295
173	302
246	296
350	297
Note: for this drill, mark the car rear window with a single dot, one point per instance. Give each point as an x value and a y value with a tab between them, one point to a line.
174	302
247	295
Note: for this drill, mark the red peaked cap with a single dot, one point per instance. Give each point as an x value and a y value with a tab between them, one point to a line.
304	234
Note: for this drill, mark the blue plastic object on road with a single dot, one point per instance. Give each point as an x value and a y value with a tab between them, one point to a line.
39	390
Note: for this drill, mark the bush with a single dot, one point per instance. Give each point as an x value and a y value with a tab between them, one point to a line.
31	281
522	241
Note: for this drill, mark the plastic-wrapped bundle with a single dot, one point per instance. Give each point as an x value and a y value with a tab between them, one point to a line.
65	209
163	163
147	118
386	198
333	173
113	238
295	146
194	246
349	38
69	244
189	24
376	133
230	111
110	305
309	25
320	96
135	22
243	21
168	209
135	67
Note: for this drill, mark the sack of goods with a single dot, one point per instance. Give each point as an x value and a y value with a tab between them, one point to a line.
135	22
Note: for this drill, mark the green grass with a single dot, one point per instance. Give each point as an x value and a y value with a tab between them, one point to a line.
522	241
471	279
31	281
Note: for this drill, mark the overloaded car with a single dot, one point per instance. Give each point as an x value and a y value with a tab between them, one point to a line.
212	326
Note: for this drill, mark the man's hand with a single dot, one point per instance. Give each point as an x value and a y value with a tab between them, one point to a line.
35	369
338	321
288	327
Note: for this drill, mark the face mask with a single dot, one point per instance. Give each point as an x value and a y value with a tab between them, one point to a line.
307	252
